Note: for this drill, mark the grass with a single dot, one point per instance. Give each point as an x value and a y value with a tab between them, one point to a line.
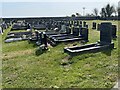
23	69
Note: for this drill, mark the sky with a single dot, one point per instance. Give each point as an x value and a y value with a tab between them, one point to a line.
50	8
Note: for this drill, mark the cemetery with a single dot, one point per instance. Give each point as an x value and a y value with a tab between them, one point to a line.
77	51
76	44
17	36
39	27
105	42
76	34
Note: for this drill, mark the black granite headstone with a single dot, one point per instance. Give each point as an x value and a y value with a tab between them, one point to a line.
81	22
114	29
84	33
40	37
105	33
45	39
36	33
84	24
80	25
72	22
94	25
87	26
68	30
76	31
77	23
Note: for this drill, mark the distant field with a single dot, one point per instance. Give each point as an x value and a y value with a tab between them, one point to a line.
23	69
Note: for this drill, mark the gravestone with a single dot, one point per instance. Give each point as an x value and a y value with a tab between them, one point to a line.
81	22
94	25
40	37
84	24
59	26
76	31
114	29
77	23
84	33
68	30
72	22
45	39
70	25
87	26
80	25
63	28
105	33
37	35
67	24
98	27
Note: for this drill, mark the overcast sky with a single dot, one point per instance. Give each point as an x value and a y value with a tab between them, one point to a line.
45	8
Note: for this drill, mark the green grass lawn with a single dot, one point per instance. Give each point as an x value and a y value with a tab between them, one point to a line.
23	69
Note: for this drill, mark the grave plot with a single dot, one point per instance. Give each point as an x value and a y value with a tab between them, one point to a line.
114	30
3	26
20	31
39	26
77	35
105	42
20	26
36	35
42	42
57	29
17	36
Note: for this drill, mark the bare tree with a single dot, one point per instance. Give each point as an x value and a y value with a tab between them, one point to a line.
95	11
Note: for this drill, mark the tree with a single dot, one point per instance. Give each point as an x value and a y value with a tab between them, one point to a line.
103	12
95	11
107	11
87	14
73	15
